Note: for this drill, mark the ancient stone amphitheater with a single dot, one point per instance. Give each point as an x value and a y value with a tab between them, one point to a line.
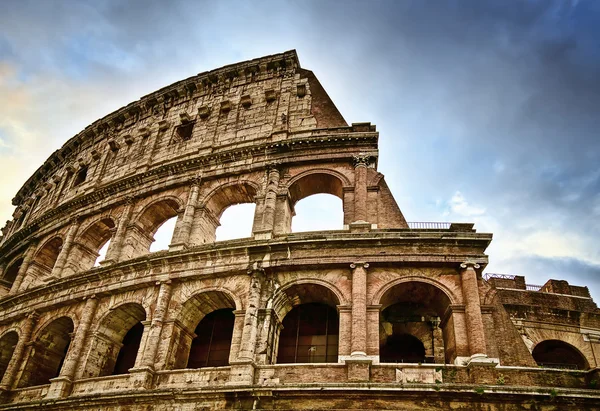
381	314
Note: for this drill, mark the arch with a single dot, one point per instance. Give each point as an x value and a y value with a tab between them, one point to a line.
193	311
559	354
310	334
8	341
376	300
114	347
211	208
307	290
317	182
140	235
413	308
157	212
212	344
236	192
43	262
86	248
47	353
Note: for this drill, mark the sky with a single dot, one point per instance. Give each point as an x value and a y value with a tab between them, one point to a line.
487	110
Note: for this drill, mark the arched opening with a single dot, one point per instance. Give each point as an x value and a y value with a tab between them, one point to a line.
42	264
145	232
236	222
86	249
410	328
231	206
318	209
163	235
47	353
129	349
310	335
212	344
11	272
7	347
203	334
310	324
116	342
403	348
559	354
102	254
318	212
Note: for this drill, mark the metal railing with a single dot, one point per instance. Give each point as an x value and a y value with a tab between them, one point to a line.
533	287
424	225
487	276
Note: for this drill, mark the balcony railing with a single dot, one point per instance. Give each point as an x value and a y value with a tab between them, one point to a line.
487	276
420	225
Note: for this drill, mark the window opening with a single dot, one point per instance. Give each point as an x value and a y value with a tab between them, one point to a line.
164	235
129	350
184	131
309	335
212	345
318	212
236	222
80	176
558	354
102	254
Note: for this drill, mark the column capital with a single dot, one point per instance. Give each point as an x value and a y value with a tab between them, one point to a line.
362	160
364	265
470	264
161	282
273	165
196	181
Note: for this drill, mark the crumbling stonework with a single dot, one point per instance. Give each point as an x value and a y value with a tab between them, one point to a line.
380	315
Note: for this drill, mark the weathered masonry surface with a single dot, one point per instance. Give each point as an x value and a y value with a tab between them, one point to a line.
382	314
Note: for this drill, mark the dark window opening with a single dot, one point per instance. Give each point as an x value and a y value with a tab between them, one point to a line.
403	348
80	176
558	354
184	131
129	350
309	335
11	272
212	344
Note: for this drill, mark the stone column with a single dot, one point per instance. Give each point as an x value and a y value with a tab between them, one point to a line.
113	253
470	289
185	227
360	187
242	368
24	266
248	343
61	386
66	247
359	309
160	311
16	361
273	176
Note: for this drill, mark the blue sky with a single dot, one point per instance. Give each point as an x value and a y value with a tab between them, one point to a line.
487	111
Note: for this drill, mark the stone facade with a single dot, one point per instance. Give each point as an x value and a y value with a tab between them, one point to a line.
380	315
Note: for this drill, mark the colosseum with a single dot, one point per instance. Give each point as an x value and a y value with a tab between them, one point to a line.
380	314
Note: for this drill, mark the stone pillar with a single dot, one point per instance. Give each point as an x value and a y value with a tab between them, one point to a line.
470	289
24	266
248	343
242	369
268	220
162	304
61	386
113	254
16	360
185	227
360	187
66	247
359	309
